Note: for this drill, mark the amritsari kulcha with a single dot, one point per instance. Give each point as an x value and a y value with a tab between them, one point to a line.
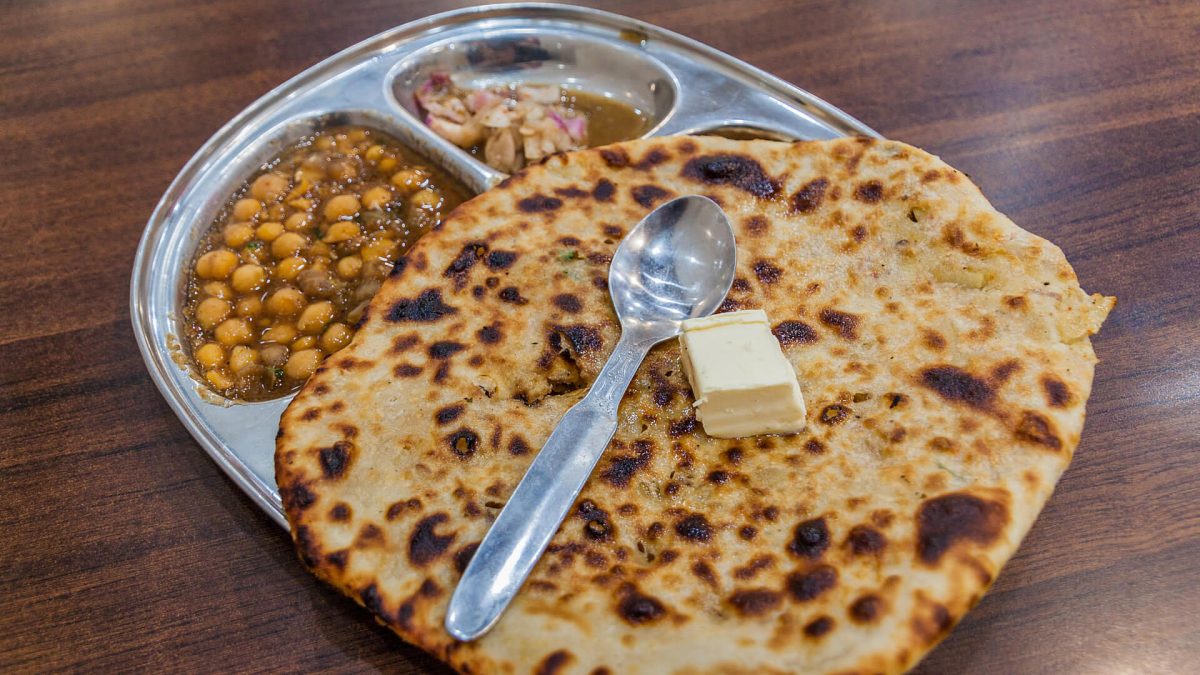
945	360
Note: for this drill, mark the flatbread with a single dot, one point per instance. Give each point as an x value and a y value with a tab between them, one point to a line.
942	350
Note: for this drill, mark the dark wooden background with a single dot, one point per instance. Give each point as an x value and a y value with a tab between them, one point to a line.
121	544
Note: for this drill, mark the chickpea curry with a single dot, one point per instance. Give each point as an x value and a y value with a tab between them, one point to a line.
285	272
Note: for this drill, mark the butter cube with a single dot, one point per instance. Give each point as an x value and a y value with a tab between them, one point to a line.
742	382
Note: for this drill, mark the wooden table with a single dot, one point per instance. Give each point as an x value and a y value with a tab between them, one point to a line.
121	544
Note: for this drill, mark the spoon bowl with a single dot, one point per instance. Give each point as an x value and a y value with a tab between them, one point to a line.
676	264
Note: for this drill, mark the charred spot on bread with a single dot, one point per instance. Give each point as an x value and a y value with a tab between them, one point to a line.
554	663
843	323
865	540
870	192
1058	395
621	468
694	527
818	626
810	539
946	520
335	459
615	158
444	349
489	335
510	294
637	608
648	195
539	203
740	171
955	384
755	601
447	414
652	159
425	544
866	608
567	302
767	272
794	332
809	197
463	442
604	191
808	585
1033	427
426	307
501	260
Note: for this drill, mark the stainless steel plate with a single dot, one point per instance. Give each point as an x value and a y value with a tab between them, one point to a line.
682	85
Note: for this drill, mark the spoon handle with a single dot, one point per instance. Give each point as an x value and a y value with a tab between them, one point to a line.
542	499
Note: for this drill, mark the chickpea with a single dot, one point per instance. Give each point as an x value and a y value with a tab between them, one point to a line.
217	289
276	212
288	268
315	316
341	206
408	180
318	251
341	231
335	337
377	197
343	170
387	164
216	264
297	222
245	209
282	333
212	311
211	355
238	235
274	354
285	302
356	135
232	332
349	267
255	253
269	187
378	250
248	278
374	152
303	363
311	172
242	358
426	199
302	343
269	231
249	307
219	380
288	244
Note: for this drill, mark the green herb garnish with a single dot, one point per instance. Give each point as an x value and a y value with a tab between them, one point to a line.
568	254
254	245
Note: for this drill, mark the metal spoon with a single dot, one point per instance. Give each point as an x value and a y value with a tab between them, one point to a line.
676	264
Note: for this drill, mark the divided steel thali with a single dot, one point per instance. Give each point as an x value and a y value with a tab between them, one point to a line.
677	85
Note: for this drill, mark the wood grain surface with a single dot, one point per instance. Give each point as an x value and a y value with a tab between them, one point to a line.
122	546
